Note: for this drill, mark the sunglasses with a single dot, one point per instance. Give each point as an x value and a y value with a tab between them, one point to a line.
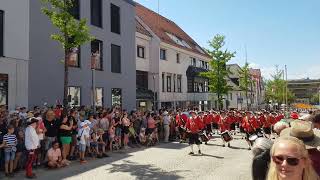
290	160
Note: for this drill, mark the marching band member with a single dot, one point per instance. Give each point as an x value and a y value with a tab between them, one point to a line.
181	120
223	126
202	120
193	126
249	125
208	121
264	118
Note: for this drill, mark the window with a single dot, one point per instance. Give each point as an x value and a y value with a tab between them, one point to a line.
74	58
4	89
115	58
178	58
206	86
174	83
74	96
142	79
140	52
115	18
193	62
231	96
96	54
116	97
1	32
163	82
75	9
163	54
195	87
179	83
200	87
203	64
96	12
99	97
169	83
206	65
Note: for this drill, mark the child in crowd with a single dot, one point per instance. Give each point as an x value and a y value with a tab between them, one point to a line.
21	149
10	149
111	136
142	136
54	157
94	145
83	138
101	143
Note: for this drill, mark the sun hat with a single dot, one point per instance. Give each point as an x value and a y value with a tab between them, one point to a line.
87	122
31	121
304	131
165	113
83	124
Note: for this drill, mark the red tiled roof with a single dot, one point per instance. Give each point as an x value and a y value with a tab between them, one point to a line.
141	29
160	25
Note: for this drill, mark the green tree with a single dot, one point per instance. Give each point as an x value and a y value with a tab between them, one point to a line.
315	98
245	81
72	32
275	89
218	73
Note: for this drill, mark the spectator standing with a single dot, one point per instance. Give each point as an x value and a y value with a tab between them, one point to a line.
83	139
21	149
10	149
166	125
31	143
74	132
65	132
290	161
261	159
125	128
52	126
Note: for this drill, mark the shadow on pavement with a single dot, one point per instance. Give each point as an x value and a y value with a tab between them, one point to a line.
232	147
209	155
144	172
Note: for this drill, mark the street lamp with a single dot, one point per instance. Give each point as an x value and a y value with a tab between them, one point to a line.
94	58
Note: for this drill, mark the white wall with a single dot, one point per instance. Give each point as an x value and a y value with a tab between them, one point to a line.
170	66
16	50
143	64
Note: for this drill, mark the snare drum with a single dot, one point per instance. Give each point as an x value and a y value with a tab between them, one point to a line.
226	136
253	137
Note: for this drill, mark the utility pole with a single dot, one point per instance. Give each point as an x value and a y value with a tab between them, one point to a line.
285	67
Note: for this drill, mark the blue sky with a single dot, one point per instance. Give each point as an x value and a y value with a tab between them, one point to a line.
275	32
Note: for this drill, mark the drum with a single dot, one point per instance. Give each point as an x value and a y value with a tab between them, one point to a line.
226	136
204	137
253	137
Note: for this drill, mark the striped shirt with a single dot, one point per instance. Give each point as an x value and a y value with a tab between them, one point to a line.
10	139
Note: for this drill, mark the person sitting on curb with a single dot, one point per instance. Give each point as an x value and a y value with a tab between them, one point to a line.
55	157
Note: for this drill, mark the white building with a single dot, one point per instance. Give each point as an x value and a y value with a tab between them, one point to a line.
168	64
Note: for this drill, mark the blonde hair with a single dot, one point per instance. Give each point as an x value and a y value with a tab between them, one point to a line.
308	172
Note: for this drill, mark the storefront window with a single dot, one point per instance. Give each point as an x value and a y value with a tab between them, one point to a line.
99	97
74	96
116	97
4	89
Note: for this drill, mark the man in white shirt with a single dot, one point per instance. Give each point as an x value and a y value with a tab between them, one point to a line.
166	124
31	143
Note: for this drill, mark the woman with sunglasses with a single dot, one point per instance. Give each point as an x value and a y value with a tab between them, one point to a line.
290	161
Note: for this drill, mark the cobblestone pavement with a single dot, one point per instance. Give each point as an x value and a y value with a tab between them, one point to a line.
165	161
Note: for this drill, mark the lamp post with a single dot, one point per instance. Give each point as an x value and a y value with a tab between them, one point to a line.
94	58
154	92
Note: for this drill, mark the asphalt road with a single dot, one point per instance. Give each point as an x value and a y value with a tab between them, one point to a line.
165	161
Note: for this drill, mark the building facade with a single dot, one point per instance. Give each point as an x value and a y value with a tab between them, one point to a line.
111	22
14	52
304	89
171	64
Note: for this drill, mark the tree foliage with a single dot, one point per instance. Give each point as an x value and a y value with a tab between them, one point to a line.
245	80
72	32
275	89
218	73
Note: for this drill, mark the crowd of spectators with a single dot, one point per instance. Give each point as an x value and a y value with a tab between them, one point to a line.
53	137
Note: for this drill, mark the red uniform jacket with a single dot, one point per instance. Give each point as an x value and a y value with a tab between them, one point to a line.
208	119
194	125
246	125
